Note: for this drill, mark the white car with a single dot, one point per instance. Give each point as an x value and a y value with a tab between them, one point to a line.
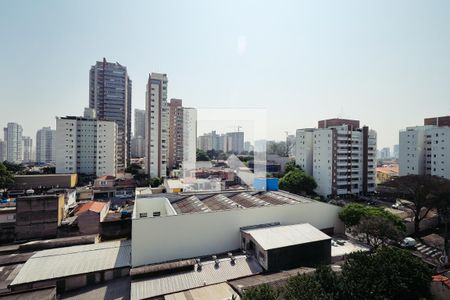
408	242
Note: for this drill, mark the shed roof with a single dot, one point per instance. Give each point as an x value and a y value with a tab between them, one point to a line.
94	206
208	275
69	261
284	236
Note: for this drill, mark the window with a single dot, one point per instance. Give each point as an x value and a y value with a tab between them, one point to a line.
156	213
142	215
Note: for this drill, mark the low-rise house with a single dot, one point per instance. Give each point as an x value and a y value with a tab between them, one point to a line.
89	216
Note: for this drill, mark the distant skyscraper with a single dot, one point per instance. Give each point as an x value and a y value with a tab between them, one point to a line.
157	125
86	145
110	96
27	146
13	138
2	151
396	151
236	141
175	153
138	140
385	153
45	145
139	122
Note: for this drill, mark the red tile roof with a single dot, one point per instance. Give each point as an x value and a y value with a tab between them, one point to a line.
94	206
441	278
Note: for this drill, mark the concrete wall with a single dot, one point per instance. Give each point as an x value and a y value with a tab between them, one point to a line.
161	239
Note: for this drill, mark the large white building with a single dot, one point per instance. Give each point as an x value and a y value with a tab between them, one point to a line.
181	226
2	151
157	125
45	145
340	155
14	145
86	145
138	140
425	150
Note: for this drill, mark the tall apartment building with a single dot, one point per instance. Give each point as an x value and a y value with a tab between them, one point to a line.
2	151
13	138
425	150
110	95
156	125
385	153
340	155
189	137
45	145
228	142
27	146
138	140
396	151
235	141
175	151
86	145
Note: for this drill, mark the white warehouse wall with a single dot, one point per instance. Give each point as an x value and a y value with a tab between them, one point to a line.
160	239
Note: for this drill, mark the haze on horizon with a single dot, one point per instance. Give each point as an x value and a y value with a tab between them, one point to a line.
386	63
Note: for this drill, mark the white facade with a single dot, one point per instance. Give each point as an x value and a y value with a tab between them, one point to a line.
335	157
157	125
2	151
425	150
86	146
189	138
13	139
45	145
27	147
138	140
175	236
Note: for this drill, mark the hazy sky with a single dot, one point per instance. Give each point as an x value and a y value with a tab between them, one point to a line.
386	63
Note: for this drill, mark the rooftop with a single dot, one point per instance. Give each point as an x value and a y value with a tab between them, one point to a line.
206	202
94	206
273	237
209	274
69	261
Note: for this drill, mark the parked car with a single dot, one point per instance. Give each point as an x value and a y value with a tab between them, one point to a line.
408	242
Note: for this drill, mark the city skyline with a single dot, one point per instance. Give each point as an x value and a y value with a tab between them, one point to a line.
391	74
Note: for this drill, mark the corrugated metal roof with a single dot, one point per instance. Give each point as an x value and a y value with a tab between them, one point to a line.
68	261
209	274
283	236
216	291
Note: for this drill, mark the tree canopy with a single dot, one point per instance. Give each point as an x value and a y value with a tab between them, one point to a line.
388	273
291	166
6	177
296	181
420	191
374	225
202	156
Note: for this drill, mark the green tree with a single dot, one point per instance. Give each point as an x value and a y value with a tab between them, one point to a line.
262	292
419	191
202	156
133	169
291	166
329	281
352	214
155	181
304	287
298	182
6	177
13	167
389	273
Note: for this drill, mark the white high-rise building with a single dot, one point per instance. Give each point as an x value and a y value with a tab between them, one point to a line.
340	155
2	151
396	150
157	125
45	145
86	145
385	153
189	138
13	139
27	147
138	140
425	150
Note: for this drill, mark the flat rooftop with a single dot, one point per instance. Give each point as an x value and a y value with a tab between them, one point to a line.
273	237
206	202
